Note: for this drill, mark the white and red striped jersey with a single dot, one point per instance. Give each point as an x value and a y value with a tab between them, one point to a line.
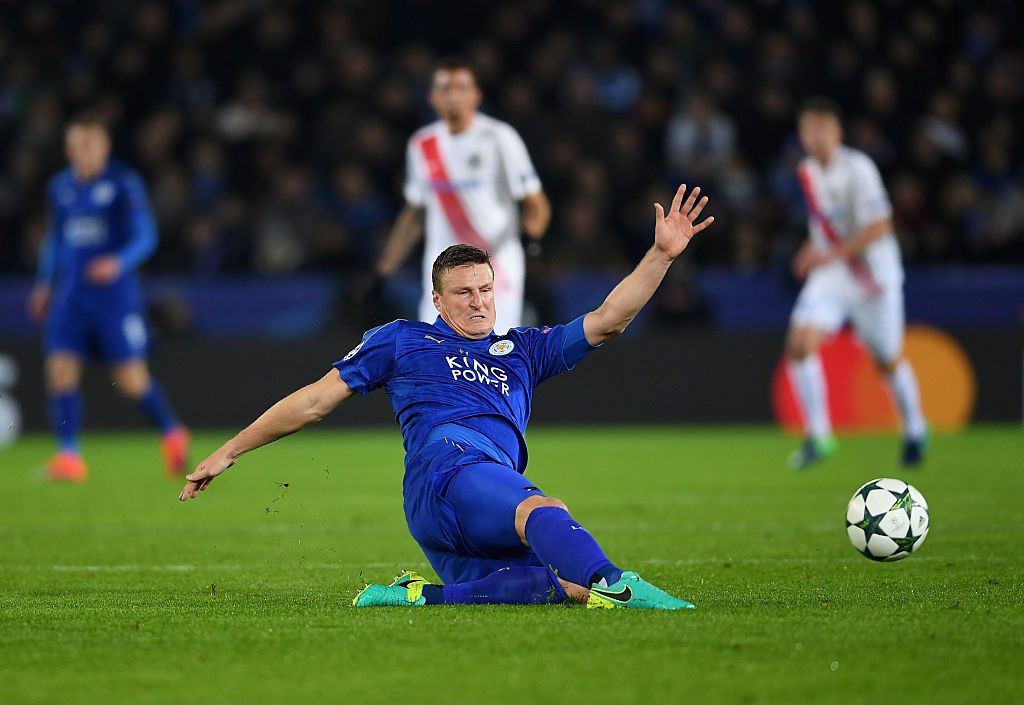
842	199
470	185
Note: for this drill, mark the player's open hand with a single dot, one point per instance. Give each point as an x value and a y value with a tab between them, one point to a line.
674	230
200	478
808	259
39	302
103	269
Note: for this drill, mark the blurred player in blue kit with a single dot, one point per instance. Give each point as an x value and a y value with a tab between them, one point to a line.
462	397
87	292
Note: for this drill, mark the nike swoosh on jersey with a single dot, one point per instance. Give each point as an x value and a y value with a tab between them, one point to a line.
430	337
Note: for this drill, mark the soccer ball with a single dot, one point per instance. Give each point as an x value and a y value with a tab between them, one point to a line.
887	519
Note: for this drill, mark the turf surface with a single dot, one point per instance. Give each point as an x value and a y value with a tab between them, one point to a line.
115	592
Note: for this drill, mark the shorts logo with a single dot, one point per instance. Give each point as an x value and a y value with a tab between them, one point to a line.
502	347
134	330
353	351
103	193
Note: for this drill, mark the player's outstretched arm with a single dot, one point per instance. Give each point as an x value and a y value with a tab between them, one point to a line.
407	231
809	257
293	413
672	233
536	215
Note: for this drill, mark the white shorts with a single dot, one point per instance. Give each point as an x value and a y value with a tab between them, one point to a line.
832	296
509	284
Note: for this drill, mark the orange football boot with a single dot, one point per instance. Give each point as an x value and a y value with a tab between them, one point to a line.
175	446
67	466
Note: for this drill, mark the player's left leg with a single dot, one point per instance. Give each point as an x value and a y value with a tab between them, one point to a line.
508	585
133	380
880	324
63	375
509	287
124	341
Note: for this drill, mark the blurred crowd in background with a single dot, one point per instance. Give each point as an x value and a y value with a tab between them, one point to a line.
272	134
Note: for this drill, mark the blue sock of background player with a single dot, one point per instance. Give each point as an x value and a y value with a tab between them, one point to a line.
66	419
155	405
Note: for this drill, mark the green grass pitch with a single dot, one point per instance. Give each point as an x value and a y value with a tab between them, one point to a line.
113	591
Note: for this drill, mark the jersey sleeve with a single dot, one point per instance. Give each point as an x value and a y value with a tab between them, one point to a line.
369	364
870	200
518	167
558	349
414	189
142	238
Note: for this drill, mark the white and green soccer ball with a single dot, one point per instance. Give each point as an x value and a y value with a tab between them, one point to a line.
887	519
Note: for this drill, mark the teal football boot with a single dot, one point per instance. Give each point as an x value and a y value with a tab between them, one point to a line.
632	591
914	449
407	578
812	451
404	591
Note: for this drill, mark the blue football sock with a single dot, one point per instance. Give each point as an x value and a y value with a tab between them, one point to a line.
155	405
515	585
608	575
566	547
433	594
66	419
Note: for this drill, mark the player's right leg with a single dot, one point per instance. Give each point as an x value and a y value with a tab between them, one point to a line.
63	377
819	312
66	344
572	553
808	376
499	512
427	311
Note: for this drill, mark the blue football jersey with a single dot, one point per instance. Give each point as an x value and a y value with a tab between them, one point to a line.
107	215
433	376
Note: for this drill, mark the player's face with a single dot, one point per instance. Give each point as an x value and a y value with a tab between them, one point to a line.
466	300
820	134
88	148
454	95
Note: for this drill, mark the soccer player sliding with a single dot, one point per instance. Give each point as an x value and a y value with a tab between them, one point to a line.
462	397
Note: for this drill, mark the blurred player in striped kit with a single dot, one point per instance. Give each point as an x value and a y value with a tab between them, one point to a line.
466	176
852	265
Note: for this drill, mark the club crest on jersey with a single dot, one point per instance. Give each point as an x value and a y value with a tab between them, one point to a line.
502	347
103	193
353	351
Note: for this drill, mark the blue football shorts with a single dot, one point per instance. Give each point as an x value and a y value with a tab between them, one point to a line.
97	332
461	508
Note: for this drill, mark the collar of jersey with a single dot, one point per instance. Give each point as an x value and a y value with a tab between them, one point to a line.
102	174
444	327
